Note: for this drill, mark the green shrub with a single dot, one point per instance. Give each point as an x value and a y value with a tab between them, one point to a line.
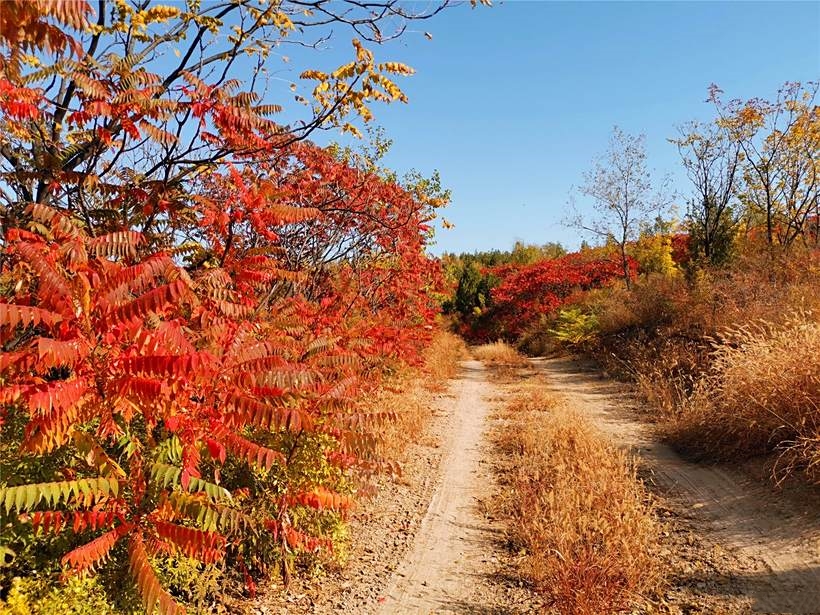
573	326
40	595
195	583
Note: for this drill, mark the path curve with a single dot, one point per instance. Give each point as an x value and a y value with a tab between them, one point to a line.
753	520
452	564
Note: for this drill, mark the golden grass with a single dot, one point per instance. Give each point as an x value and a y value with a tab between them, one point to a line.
710	300
498	353
442	357
761	394
505	362
576	509
721	385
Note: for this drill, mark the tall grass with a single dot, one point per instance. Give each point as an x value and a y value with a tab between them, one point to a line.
577	509
499	354
504	360
442	357
761	394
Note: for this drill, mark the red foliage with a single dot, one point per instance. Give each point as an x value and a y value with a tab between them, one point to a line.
681	248
168	313
115	348
528	292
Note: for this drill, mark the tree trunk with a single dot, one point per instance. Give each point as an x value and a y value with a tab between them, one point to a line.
625	265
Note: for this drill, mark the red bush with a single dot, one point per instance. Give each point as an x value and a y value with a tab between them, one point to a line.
528	292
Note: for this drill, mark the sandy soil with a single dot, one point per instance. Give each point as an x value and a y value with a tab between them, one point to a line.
771	536
454	564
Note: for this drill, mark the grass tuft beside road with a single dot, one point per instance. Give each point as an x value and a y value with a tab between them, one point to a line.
577	513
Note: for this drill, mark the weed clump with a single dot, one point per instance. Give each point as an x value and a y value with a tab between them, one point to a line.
576	510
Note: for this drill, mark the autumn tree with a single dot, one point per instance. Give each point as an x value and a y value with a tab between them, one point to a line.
622	194
526	254
195	301
713	165
527	293
780	143
470	273
473	289
653	250
111	107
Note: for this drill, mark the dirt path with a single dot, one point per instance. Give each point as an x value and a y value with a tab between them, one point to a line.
424	542
453	565
775	534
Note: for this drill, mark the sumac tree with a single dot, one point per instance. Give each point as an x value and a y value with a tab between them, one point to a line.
193	298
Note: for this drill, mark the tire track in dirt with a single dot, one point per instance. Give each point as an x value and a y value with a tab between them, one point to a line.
776	532
453	564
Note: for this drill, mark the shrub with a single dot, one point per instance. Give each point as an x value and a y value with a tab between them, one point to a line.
537	340
78	596
195	301
658	333
526	293
572	326
154	409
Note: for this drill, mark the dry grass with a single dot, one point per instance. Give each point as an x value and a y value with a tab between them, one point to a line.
761	394
500	354
757	288
577	509
663	390
504	360
723	386
442	357
677	311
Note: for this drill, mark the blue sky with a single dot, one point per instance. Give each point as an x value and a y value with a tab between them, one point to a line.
512	103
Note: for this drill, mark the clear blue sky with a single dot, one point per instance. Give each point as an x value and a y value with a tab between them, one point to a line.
511	103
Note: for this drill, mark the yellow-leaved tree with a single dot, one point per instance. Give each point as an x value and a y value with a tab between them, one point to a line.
779	143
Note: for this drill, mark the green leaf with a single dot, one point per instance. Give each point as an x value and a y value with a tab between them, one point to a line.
83	487
65	490
8	500
32	496
27	497
19	498
104	486
171	476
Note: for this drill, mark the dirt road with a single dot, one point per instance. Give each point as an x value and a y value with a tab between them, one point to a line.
448	556
775	534
453	564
